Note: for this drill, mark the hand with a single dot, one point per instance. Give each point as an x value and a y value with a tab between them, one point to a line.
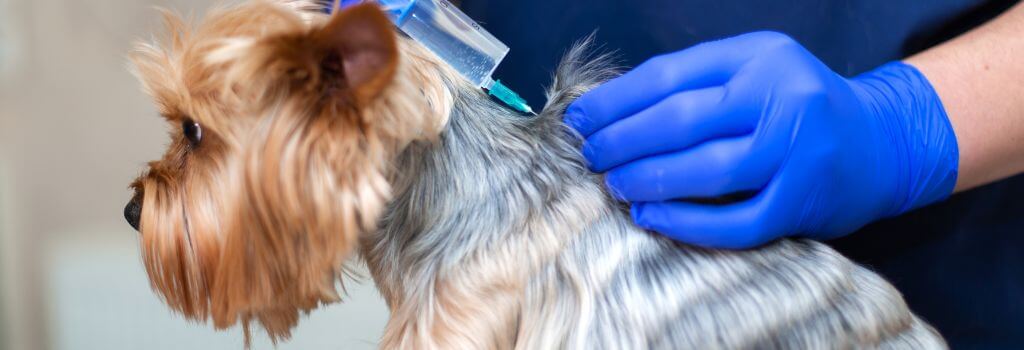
823	155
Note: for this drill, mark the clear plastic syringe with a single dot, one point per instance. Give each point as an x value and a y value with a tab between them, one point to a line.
455	38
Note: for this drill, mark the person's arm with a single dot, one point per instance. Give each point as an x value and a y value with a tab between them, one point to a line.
980	78
822	155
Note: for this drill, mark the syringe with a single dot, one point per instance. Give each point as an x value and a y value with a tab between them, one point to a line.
455	38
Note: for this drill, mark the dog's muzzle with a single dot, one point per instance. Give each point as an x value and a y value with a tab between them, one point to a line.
133	211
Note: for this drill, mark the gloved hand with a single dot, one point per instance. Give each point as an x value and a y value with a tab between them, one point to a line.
758	113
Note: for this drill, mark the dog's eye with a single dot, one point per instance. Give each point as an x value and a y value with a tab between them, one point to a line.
193	131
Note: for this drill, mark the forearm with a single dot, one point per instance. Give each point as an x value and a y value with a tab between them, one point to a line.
980	78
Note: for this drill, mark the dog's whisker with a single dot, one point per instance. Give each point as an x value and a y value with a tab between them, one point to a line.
187	228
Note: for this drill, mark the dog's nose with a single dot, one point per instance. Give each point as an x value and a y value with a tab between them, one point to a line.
133	211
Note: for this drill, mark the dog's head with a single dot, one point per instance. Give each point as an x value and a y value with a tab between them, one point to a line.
283	127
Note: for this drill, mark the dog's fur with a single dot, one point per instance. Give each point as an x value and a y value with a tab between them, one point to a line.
482	229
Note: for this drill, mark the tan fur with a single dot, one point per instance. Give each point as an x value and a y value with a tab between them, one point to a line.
255	223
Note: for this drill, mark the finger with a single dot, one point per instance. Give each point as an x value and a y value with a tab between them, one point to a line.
712	169
676	123
701	66
734	226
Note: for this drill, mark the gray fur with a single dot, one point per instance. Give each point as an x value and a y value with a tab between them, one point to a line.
495	177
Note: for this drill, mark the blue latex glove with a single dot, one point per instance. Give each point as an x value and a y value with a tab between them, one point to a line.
823	155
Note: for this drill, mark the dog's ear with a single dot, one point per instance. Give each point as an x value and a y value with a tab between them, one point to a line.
360	53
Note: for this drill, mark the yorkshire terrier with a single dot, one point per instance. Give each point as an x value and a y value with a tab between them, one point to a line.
300	138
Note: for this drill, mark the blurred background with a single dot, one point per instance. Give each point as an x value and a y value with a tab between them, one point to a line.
74	131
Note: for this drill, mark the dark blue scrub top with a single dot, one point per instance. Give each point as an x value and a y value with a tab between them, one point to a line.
960	263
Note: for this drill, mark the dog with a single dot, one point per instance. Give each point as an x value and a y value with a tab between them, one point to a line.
300	139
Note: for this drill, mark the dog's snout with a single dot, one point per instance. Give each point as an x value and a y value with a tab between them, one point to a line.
133	211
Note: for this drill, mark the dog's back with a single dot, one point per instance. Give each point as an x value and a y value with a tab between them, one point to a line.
499	237
637	290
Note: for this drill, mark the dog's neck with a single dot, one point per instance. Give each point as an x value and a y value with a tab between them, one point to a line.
475	214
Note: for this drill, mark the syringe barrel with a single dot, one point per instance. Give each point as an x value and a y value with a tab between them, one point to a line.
450	34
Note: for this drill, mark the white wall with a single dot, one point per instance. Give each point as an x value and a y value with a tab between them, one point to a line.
74	130
6	243
7	54
97	297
